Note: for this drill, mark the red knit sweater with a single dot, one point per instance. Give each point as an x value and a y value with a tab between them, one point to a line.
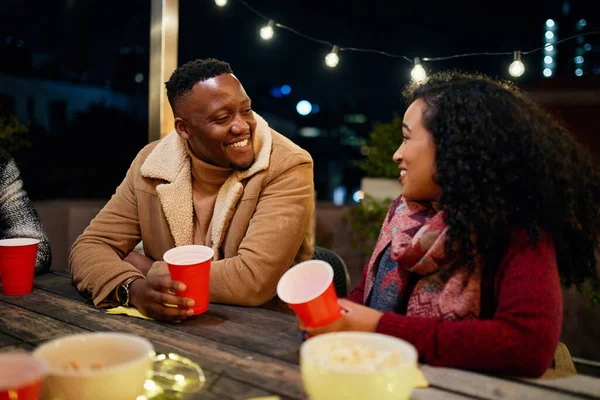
520	339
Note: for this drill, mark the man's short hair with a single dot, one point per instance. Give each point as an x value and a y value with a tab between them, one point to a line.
185	77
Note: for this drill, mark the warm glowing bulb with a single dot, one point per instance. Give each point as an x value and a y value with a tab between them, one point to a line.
516	68
221	3
418	73
266	32
332	59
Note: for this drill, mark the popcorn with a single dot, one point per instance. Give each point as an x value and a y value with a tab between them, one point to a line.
355	357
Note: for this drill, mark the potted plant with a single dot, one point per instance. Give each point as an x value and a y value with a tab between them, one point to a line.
380	186
381	181
365	220
12	133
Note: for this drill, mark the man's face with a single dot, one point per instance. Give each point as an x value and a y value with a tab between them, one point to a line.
216	119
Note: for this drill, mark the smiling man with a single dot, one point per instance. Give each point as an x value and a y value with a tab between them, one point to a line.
222	179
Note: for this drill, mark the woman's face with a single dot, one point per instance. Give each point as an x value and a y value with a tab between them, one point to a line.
416	157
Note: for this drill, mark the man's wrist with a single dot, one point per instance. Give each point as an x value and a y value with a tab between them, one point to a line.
134	291
123	290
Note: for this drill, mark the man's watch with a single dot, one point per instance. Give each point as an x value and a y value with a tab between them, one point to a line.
123	290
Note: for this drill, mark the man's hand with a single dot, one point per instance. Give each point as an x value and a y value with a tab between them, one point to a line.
139	261
355	317
150	296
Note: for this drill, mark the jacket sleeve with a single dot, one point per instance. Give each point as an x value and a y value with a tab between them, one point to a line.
275	233
95	262
18	218
520	339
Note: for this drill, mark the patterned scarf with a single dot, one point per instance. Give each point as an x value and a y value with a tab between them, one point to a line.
447	288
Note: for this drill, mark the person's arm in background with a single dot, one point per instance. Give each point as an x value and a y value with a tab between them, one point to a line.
18	218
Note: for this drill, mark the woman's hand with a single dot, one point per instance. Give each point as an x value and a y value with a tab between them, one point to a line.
151	295
355	317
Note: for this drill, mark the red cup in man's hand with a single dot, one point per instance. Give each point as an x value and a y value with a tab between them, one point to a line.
191	266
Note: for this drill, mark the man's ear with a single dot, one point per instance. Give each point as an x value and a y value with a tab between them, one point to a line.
182	128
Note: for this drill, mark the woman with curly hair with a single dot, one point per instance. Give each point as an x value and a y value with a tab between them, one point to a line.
498	200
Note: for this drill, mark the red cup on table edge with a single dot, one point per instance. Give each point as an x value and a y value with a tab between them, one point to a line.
21	376
191	265
17	265
308	289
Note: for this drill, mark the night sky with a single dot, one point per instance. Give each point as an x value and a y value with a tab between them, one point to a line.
90	33
412	28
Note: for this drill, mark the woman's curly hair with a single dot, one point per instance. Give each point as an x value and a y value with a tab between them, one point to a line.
504	163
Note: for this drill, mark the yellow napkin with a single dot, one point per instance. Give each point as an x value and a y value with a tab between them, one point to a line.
131	311
420	381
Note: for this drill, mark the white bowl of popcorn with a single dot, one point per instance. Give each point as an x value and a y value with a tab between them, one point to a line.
358	365
98	366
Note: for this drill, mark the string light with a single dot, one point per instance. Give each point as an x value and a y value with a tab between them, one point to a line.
516	68
332	59
266	32
221	3
418	73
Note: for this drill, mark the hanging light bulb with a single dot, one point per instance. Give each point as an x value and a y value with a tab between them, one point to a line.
418	72
266	32
332	59
516	68
221	3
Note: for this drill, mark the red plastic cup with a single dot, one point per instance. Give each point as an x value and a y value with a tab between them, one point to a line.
21	376
308	289
191	265
17	264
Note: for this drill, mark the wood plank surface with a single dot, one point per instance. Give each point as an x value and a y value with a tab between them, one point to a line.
30	326
232	389
18	347
262	331
487	387
437	394
6	340
270	373
581	384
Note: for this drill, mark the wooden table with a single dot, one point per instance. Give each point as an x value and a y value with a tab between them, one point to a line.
245	352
